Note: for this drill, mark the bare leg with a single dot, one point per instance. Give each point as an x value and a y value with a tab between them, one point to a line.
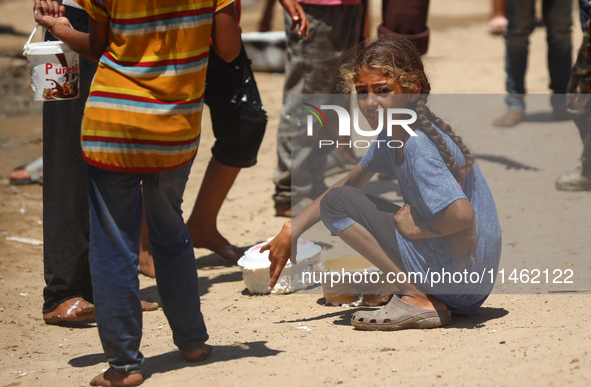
202	223
360	239
499	8
146	264
498	20
266	20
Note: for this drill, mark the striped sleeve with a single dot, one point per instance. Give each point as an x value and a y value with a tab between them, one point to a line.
222	4
96	9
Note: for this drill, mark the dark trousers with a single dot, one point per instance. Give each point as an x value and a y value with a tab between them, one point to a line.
65	200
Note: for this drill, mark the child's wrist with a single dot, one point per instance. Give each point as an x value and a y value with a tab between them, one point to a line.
416	233
56	25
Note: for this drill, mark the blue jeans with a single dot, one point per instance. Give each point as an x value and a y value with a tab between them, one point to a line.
557	18
115	201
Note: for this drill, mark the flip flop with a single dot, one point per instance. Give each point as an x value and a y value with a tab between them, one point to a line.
87	314
35	169
399	315
112	378
148	306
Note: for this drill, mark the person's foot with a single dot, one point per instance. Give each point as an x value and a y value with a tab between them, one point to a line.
28	174
214	241
498	24
111	378
283	211
22	174
511	118
562	114
148	306
74	309
295	210
198	354
146	265
573	181
424	301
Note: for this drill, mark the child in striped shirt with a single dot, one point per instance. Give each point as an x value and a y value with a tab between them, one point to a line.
140	133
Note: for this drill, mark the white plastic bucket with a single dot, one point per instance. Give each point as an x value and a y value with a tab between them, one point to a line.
54	70
266	50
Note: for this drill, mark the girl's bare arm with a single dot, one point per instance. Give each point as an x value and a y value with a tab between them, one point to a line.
456	217
280	247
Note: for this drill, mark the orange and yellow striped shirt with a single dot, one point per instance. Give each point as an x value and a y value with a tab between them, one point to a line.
143	113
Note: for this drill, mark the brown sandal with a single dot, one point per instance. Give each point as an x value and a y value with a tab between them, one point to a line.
86	314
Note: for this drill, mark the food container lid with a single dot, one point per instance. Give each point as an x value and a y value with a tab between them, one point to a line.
46	48
254	259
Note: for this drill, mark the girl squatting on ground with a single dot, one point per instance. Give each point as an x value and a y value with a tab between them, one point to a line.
448	222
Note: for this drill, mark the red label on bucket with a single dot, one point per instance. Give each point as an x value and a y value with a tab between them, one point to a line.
63	90
54	71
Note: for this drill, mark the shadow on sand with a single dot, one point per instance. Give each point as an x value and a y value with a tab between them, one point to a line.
172	361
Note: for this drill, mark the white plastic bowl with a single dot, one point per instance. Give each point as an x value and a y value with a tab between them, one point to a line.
255	268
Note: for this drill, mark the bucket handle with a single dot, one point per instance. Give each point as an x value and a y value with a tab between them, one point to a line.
30	37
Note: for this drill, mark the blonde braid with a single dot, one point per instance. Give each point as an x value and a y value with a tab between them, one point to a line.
466	167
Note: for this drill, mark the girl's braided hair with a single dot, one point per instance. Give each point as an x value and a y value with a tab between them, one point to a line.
397	58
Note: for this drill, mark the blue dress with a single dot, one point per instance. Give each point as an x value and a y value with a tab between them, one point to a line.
427	185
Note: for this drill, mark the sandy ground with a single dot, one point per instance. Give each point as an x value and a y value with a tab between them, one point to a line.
530	334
